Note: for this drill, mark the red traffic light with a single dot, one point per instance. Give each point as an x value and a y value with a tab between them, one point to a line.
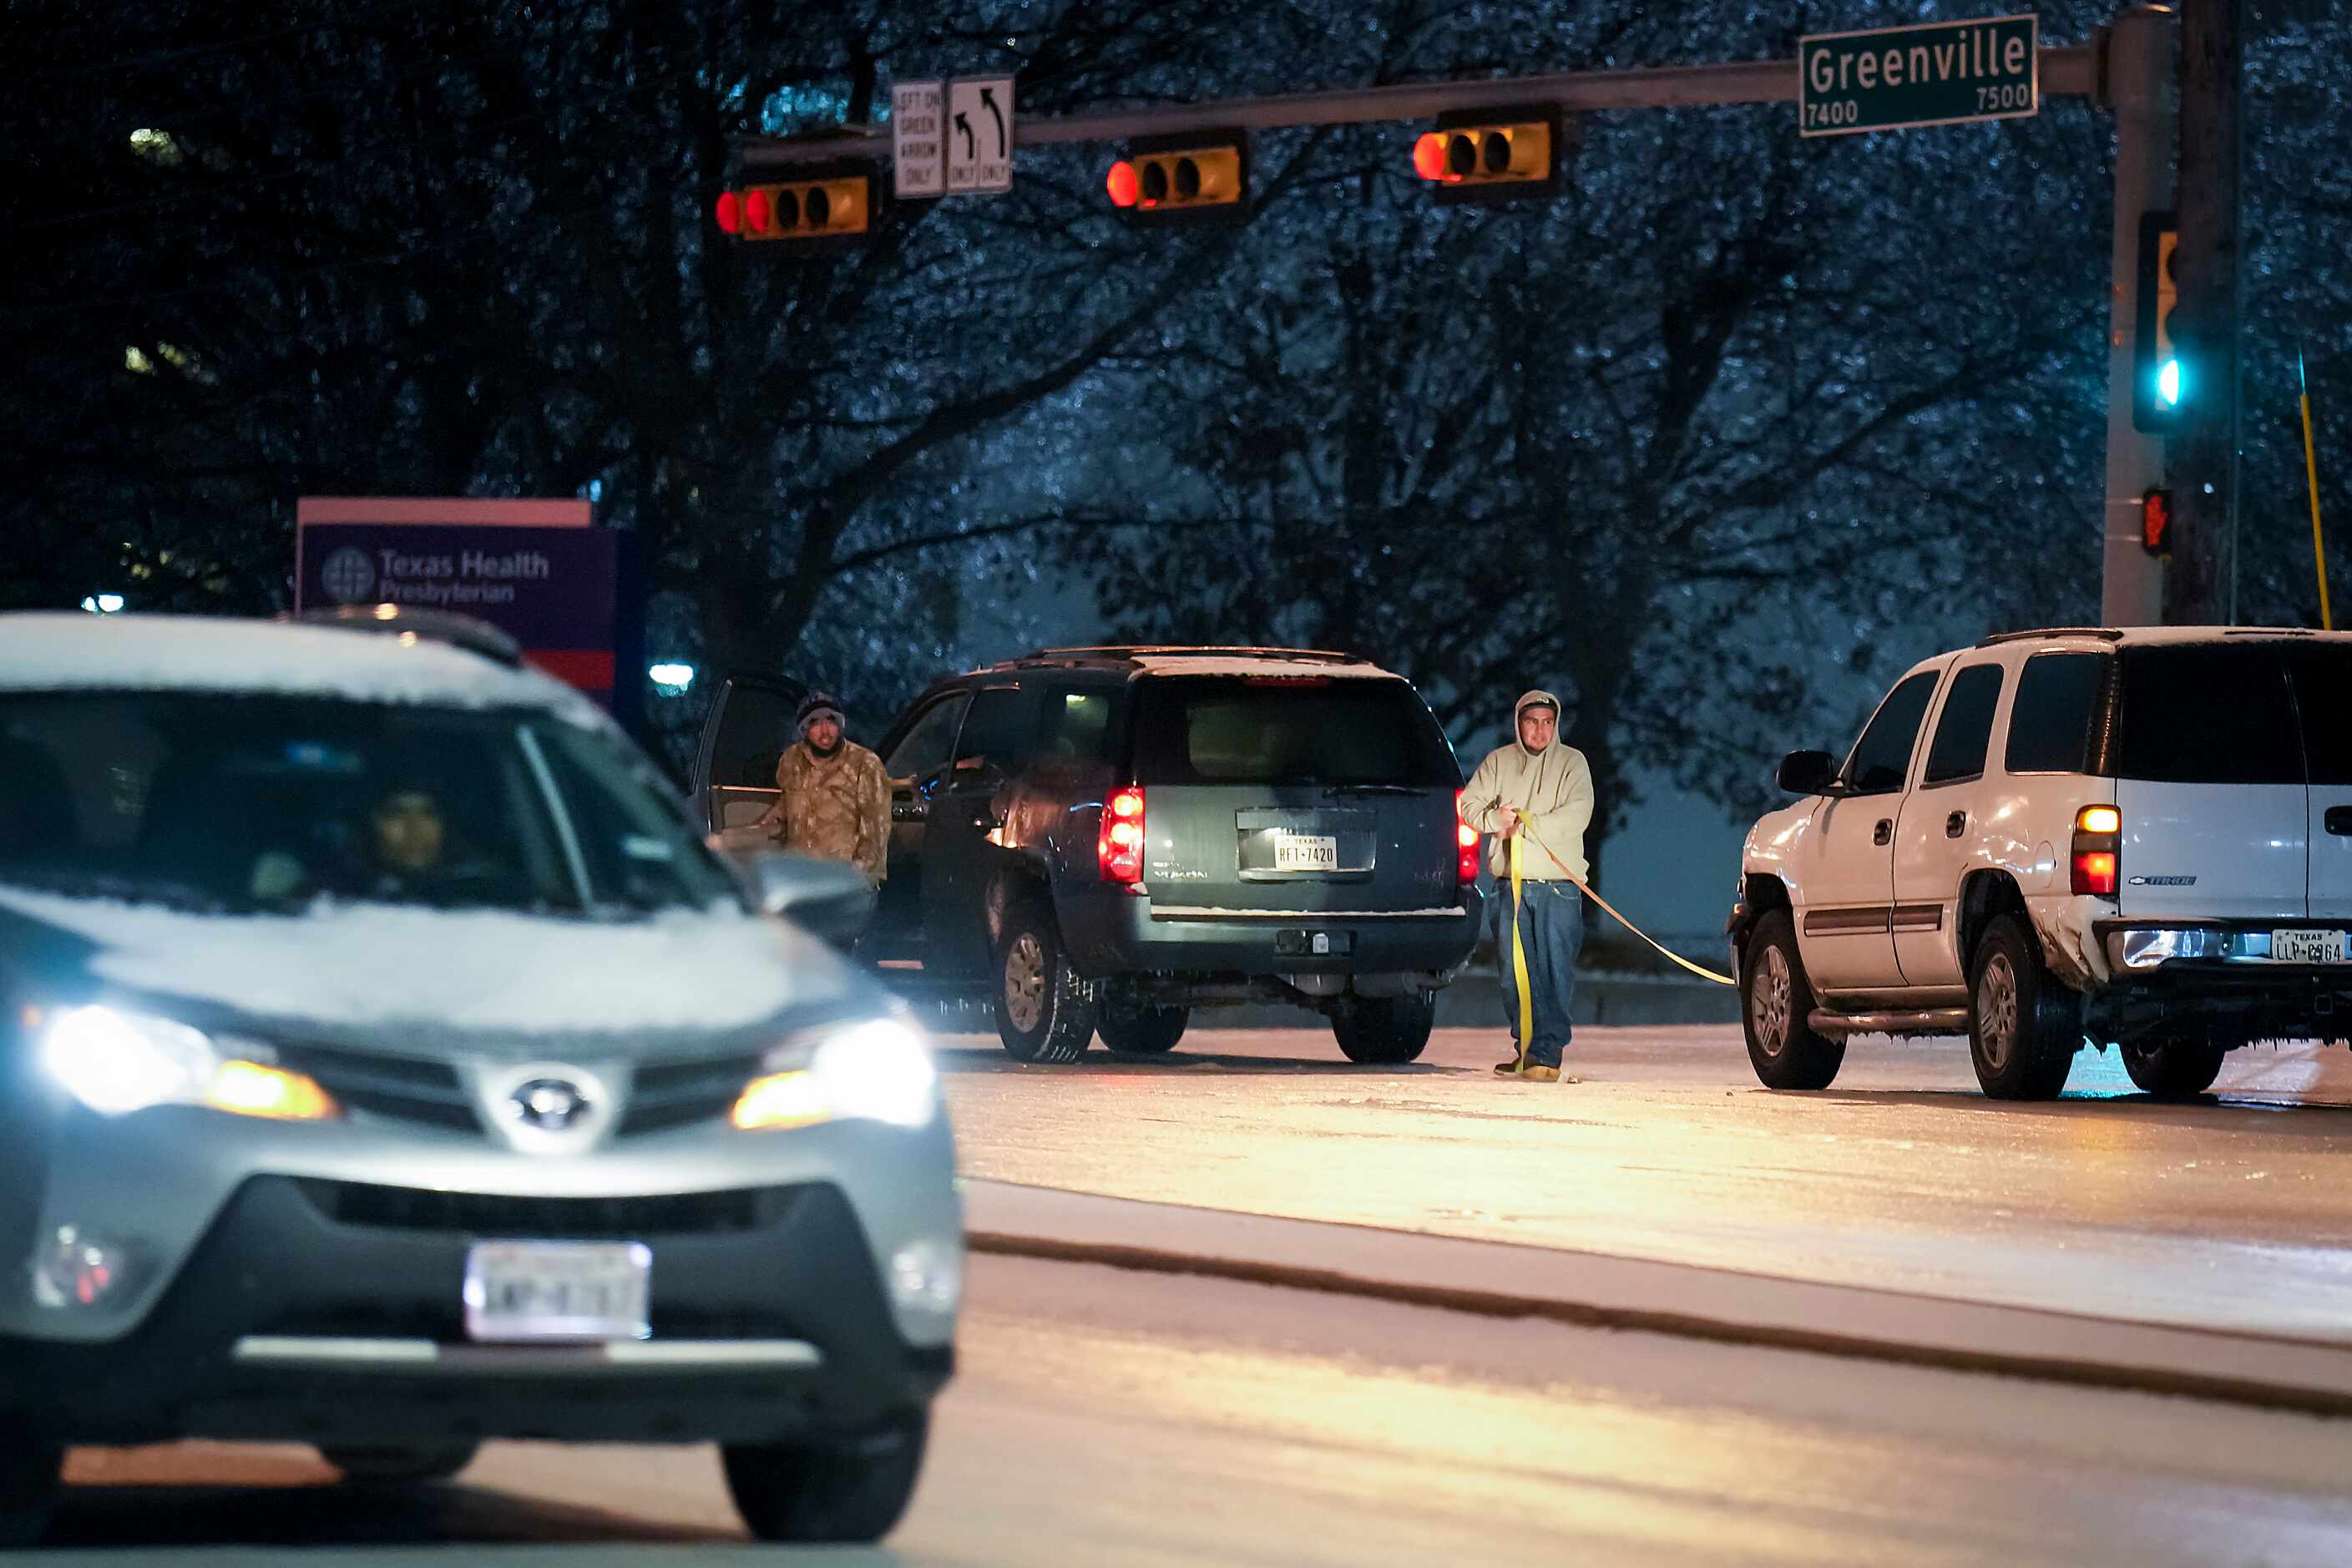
1124	184
1429	156
758	212
730	213
2156	521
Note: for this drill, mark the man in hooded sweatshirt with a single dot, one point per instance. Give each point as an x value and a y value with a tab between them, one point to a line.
1534	797
833	796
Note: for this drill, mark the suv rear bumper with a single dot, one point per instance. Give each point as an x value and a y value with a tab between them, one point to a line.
2241	998
294	1321
1110	931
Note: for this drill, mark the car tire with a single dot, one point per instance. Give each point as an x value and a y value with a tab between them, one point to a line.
2174	1069
1386	1031
1143	1031
851	1489
1045	1011
2024	1026
1776	1003
401	1467
29	1475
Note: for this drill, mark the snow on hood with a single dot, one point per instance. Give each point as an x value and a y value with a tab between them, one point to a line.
67	651
455	972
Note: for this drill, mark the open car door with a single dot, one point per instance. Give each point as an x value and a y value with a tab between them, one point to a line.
743	735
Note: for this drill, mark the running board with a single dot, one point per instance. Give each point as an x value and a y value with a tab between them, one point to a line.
1934	1021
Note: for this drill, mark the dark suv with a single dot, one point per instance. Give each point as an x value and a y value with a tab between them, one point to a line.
1098	840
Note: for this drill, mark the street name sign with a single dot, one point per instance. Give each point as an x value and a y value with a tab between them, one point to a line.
979	135
918	153
1892	78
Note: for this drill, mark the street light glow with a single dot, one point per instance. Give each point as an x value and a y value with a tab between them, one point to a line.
103	604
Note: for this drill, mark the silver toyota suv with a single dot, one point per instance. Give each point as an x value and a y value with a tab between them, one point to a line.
387	1064
2139	838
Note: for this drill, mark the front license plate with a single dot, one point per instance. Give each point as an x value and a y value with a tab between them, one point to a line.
1305	852
559	1290
2307	947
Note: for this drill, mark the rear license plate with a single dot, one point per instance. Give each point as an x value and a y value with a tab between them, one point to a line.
559	1290
2307	947
1305	852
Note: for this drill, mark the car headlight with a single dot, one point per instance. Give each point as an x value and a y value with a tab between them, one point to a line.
879	1071
116	1062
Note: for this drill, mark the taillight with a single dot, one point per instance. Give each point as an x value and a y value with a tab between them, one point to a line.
2098	848
1466	844
1118	848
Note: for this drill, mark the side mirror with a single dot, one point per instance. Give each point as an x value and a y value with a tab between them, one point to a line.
1807	773
825	897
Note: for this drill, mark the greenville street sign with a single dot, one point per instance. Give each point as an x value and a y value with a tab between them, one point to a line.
1942	74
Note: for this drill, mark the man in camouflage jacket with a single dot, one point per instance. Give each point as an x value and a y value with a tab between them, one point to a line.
833	797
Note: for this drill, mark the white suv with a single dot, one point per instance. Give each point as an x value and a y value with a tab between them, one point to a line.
2136	838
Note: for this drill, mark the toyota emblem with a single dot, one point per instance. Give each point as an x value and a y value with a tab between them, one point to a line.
547	1104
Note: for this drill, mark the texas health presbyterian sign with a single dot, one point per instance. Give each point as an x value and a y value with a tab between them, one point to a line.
537	570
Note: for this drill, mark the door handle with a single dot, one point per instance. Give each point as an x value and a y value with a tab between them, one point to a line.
2339	821
1884	834
1955	824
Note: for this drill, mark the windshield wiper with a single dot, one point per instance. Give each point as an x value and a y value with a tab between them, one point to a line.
1416	791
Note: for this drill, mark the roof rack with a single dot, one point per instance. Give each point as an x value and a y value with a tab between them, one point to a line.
1181	650
436	626
2108	632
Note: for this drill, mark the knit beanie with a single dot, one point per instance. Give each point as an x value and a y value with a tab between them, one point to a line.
816	705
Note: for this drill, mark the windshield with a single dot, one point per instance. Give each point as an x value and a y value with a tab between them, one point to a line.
265	804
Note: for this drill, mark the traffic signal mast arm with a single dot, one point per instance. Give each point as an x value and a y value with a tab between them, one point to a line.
2064	71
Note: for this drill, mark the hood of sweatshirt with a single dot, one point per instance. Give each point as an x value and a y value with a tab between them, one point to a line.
1538	699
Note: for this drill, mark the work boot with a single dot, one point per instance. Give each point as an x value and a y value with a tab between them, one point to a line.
1531	1072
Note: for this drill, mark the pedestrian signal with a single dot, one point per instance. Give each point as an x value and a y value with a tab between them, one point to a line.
1493	154
2156	521
1189	177
2162	383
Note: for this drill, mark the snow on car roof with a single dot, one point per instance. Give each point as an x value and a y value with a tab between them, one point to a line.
1214	664
77	651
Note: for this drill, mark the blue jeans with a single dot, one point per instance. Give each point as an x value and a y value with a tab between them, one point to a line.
1552	936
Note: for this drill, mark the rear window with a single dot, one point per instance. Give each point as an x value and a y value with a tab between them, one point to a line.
1290	731
2050	722
2323	693
2207	714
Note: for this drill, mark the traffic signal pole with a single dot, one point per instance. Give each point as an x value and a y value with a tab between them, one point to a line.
2129	71
2064	71
2201	585
2139	92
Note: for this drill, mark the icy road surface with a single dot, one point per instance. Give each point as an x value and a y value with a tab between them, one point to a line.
2235	1211
1106	1418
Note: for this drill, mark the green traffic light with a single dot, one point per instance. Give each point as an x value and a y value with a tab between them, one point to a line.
2168	383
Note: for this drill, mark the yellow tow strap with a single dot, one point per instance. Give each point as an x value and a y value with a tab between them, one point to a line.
1519	956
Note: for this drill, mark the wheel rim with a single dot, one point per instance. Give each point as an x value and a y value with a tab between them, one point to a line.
1024	983
1768	1001
1997	1011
